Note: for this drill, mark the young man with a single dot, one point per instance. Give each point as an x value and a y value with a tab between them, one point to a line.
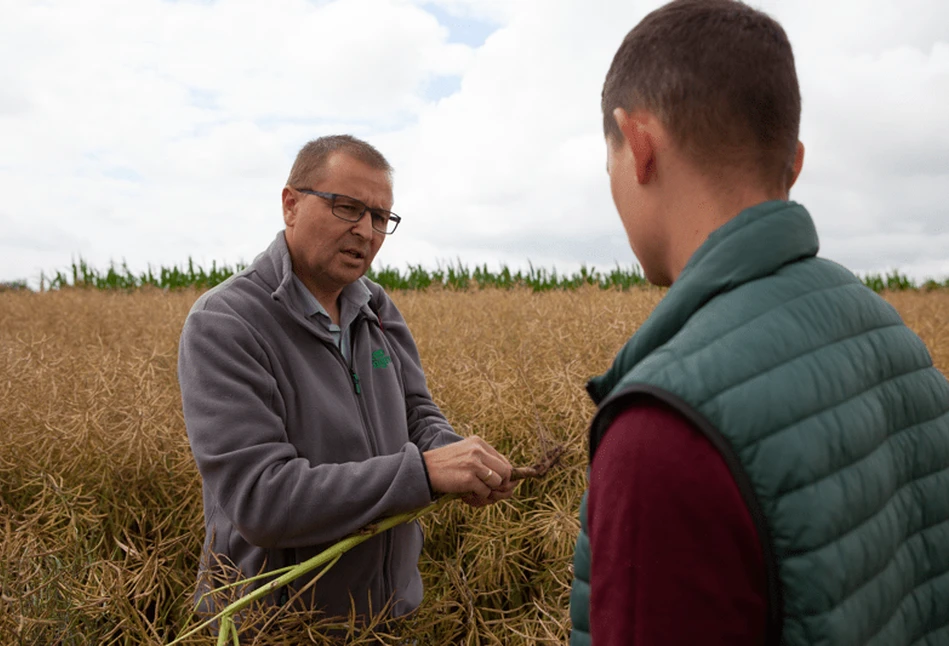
306	405
770	456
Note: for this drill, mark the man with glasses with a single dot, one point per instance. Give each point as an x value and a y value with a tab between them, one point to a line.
306	405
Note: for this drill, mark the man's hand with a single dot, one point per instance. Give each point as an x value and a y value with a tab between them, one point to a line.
471	467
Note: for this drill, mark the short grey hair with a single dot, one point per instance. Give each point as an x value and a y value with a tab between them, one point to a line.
314	155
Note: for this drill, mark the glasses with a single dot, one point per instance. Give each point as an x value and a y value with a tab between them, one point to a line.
352	210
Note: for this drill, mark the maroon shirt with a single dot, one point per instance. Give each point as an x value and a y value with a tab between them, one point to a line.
675	554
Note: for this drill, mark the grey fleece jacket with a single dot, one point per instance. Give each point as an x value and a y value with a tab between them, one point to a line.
296	448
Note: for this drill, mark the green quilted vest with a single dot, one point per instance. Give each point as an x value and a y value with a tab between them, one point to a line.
831	417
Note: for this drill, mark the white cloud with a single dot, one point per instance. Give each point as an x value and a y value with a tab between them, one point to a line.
519	148
877	166
497	11
157	130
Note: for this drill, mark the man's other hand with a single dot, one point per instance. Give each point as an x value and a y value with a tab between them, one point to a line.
471	467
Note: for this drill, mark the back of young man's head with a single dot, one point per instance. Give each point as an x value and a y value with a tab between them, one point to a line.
720	77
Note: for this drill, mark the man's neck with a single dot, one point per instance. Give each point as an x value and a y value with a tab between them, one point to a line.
700	212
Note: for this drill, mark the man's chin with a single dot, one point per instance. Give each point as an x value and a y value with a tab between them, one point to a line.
351	270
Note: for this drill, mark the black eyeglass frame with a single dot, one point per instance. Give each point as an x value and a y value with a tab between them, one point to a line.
331	198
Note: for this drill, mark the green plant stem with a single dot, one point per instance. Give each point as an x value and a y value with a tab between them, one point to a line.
327	557
236	584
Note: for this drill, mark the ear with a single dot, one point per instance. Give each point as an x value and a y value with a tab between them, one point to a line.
289	200
642	143
798	164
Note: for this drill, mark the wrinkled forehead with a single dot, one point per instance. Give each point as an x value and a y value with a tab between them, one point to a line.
346	175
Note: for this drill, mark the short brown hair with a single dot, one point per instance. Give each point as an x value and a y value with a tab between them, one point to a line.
313	156
720	76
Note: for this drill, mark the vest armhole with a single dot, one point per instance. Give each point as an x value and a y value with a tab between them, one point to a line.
616	403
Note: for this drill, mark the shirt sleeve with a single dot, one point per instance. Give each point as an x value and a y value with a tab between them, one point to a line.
675	557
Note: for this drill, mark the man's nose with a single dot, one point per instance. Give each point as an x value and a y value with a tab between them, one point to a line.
363	226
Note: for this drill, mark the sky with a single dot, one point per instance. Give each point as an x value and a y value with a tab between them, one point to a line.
153	131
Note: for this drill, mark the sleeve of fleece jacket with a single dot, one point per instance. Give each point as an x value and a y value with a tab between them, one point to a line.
272	496
428	428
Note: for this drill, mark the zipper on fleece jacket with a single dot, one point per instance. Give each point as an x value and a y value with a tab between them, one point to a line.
387	591
364	417
357	392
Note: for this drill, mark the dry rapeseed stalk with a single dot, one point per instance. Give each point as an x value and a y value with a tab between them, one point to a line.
100	502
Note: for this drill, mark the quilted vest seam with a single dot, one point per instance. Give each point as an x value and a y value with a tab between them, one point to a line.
928	633
803	355
790	425
842	468
795	554
898	607
766	312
